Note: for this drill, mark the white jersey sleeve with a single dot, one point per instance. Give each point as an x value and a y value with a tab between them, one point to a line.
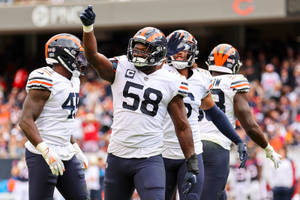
223	91
140	104
40	79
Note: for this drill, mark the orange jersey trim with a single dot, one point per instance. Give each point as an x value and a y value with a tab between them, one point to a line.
210	86
240	85
41	82
182	87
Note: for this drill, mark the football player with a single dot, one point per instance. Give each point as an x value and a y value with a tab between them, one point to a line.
229	91
143	93
47	119
200	82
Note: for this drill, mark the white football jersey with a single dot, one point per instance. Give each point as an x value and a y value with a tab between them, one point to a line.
199	86
140	105
56	122
223	90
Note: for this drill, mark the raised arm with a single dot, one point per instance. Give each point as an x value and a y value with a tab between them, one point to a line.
243	112
98	61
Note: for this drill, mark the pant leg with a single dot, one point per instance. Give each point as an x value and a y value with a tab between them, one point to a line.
196	190
216	171
41	181
72	183
118	182
171	169
150	178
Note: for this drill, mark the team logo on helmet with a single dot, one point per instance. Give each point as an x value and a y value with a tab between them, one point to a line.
224	58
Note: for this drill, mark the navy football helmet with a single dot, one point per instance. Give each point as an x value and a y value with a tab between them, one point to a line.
224	58
190	45
67	50
156	47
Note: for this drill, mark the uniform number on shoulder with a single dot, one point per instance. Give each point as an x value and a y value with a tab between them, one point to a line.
149	105
71	104
219	98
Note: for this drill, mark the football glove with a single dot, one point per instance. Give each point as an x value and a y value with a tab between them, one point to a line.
87	18
243	154
80	156
272	155
52	159
173	43
190	177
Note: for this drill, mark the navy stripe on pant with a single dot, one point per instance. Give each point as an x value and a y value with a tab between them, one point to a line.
123	175
216	171
175	172
42	182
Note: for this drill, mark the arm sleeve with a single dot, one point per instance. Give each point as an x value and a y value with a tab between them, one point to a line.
222	123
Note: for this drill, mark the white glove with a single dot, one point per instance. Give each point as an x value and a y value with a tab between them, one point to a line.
296	197
80	156
55	163
272	155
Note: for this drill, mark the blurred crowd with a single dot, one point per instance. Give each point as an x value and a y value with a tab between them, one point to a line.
274	98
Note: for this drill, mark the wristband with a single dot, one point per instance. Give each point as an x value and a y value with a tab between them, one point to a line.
88	29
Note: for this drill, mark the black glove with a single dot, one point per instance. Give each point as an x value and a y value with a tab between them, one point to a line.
243	153
190	177
88	16
173	43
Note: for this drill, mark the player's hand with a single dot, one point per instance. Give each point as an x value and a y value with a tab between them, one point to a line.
173	44
80	156
190	178
272	155
88	16
52	159
243	154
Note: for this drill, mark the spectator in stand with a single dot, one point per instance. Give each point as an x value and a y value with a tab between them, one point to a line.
271	82
90	133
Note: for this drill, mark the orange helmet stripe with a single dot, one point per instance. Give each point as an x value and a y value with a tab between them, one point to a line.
219	58
152	37
144	31
62	37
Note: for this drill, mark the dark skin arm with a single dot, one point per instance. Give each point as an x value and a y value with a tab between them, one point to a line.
207	102
243	113
32	108
183	130
99	62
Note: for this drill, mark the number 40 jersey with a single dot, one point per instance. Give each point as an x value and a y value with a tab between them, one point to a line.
56	121
223	91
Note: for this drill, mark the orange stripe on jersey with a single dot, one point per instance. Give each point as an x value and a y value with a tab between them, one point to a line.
184	88
152	37
240	85
210	86
41	82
